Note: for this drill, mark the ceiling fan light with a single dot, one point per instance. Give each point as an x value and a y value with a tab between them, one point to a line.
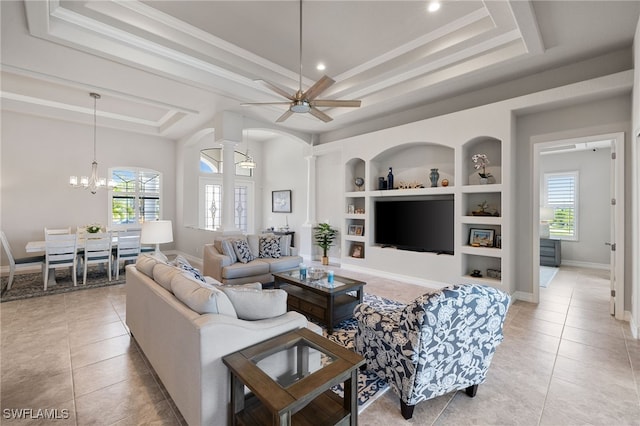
300	106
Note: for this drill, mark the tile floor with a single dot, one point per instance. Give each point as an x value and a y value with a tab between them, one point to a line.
563	362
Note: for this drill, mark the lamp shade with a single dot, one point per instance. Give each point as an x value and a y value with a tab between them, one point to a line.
157	232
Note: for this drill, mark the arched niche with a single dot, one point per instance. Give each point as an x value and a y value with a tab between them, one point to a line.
489	146
354	168
412	163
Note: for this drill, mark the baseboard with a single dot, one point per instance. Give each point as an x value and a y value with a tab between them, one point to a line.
524	296
396	277
590	265
634	325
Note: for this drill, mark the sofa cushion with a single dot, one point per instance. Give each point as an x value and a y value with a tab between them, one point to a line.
241	270
242	250
146	262
251	304
164	273
283	263
201	298
254	244
269	247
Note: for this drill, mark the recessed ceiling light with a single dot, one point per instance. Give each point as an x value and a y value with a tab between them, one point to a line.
321	67
434	6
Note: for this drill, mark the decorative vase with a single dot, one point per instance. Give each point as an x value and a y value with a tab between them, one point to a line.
434	176
390	178
484	180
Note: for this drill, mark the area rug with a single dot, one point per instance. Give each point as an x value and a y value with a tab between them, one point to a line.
370	386
547	273
30	285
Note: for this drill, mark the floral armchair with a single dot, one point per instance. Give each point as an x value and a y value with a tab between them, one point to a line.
440	343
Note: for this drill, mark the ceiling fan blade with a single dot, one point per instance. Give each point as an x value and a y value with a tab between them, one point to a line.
319	86
319	114
265	103
336	103
276	89
288	113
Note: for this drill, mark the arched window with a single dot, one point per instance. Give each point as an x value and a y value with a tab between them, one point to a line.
136	198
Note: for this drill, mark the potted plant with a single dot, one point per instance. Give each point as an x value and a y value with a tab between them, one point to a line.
324	235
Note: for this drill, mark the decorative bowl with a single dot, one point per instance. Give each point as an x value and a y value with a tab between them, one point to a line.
315	273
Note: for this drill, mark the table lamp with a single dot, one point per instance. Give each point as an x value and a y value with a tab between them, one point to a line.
157	232
546	216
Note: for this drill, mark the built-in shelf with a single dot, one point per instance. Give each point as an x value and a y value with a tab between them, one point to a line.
495	187
481	251
412	163
481	220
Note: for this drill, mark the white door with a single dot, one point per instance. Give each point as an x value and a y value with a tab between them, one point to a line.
616	241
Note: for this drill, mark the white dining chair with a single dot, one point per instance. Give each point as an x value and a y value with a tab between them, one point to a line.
97	250
127	248
60	251
23	262
56	231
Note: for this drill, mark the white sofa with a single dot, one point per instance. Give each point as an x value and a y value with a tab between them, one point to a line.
222	263
185	347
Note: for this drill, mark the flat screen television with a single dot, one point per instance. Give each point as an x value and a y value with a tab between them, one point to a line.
418	224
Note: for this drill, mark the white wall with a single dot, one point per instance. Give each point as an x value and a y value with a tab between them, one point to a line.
588	118
39	155
329	196
593	197
283	167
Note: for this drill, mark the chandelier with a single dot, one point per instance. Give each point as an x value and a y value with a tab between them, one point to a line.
248	162
93	182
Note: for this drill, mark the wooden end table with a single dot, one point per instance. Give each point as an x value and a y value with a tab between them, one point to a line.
290	377
327	303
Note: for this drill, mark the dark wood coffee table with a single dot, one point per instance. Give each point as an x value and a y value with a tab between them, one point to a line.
290	377
320	300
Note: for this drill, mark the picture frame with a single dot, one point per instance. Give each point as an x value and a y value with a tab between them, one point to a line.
481	237
281	201
359	230
352	229
357	250
351	209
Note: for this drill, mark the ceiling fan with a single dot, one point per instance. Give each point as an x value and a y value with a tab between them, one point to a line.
303	102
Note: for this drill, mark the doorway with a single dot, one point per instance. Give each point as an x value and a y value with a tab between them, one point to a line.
596	242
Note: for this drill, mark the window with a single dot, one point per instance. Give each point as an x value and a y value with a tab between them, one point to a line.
211	204
561	195
136	197
211	162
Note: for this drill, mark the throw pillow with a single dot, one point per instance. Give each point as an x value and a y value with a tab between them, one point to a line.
270	247
251	304
184	264
285	245
200	298
227	250
242	250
